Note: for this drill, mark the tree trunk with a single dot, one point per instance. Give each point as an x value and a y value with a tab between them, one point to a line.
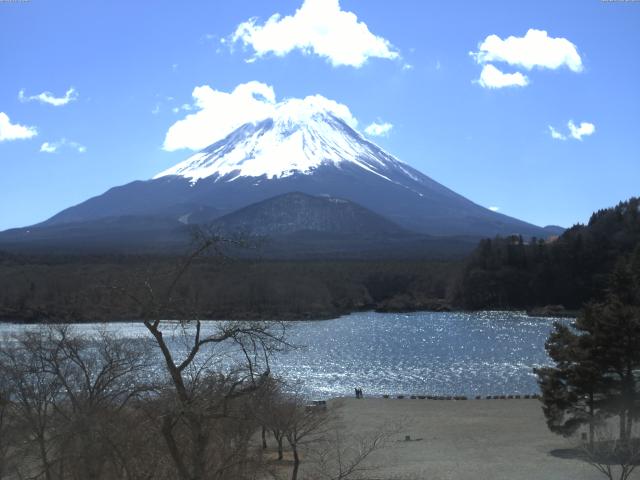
591	421
264	437
200	440
628	400
631	400
43	456
623	426
174	451
280	449
176	375
296	462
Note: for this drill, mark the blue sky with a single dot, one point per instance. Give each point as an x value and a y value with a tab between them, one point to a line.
118	73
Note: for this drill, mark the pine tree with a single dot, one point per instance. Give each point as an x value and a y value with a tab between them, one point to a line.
597	360
571	391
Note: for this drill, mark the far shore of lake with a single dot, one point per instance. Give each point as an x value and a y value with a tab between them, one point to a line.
537	312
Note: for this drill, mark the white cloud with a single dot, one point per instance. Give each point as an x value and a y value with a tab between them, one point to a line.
575	131
47	147
378	129
494	209
583	130
185	107
492	77
53	147
14	131
301	108
556	134
320	27
535	49
218	113
48	97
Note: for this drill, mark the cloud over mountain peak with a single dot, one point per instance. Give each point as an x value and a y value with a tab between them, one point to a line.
218	113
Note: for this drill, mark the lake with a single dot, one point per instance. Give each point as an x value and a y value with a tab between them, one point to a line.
430	353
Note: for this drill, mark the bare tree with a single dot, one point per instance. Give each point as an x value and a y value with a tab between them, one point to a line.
33	398
67	394
305	424
98	376
340	456
615	458
271	413
200	393
314	431
5	426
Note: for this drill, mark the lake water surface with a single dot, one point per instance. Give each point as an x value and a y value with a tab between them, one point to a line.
430	353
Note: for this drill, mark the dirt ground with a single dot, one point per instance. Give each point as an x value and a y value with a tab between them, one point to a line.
466	440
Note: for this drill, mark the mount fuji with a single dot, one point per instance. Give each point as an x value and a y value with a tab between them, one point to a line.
304	146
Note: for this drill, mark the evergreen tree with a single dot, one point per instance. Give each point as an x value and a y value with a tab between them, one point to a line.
596	361
571	391
570	270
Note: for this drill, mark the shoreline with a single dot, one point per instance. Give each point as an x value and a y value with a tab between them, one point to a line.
531	313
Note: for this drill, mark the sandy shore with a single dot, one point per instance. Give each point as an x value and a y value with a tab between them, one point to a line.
466	440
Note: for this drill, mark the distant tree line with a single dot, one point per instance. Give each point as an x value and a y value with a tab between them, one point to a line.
513	272
77	288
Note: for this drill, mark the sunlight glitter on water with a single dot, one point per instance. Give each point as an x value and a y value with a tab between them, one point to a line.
424	353
485	353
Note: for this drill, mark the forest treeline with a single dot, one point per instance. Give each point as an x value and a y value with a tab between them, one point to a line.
570	270
83	288
501	273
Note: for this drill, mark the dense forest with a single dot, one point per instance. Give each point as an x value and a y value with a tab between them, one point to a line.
569	270
502	273
82	288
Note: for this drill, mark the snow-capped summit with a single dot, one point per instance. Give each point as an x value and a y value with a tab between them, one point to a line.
300	136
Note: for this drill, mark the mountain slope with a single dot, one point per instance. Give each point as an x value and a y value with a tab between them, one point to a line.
289	226
297	225
123	234
305	147
294	212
